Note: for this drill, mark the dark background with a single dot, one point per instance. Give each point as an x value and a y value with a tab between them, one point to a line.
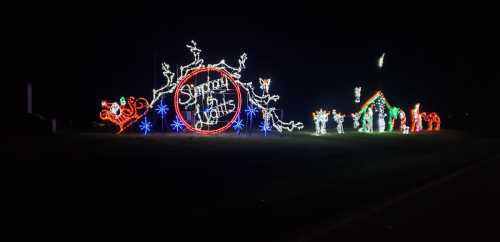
81	53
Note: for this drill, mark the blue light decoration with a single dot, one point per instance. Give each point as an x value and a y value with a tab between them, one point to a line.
145	126
251	111
238	125
264	127
177	125
162	109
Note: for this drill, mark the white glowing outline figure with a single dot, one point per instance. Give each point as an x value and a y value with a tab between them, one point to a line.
260	102
357	94
339	119
355	119
320	119
369	120
381	121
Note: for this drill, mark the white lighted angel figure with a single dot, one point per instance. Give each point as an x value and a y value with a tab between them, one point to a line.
357	94
355	119
264	85
339	119
320	119
369	119
381	121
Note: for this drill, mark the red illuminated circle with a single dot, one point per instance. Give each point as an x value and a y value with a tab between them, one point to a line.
194	73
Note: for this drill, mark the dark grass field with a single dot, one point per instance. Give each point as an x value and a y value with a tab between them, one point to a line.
235	188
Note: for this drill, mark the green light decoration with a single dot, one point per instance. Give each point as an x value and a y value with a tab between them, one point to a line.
123	101
393	115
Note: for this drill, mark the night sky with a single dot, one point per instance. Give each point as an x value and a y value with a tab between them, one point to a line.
76	55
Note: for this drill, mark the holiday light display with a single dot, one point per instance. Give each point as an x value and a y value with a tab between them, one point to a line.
339	119
355	119
210	96
145	126
220	92
124	114
416	119
320	119
433	121
357	94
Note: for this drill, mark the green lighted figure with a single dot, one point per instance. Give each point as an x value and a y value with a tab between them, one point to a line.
123	101
393	115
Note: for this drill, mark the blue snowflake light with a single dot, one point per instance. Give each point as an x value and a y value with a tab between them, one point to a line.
251	111
162	109
264	127
145	126
177	125
238	125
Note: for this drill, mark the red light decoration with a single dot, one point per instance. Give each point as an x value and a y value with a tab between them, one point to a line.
416	119
433	121
188	77
125	114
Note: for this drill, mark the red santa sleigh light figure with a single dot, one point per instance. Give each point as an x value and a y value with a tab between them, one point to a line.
124	114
